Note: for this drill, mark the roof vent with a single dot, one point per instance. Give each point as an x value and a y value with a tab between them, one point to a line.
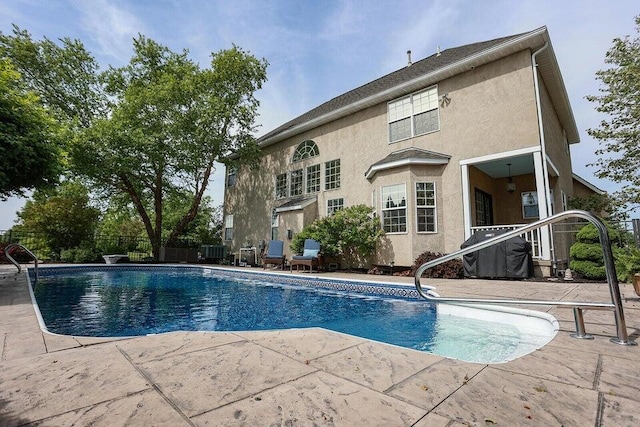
408	58
437	50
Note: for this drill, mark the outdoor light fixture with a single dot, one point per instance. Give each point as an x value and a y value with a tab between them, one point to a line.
511	186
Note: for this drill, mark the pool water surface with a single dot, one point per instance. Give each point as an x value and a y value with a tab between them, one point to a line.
120	303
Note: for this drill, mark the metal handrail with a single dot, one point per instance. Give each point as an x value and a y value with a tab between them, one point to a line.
7	253
610	269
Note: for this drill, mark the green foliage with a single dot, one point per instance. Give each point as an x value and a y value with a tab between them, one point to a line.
588	269
586	251
627	264
64	216
452	269
350	232
169	122
79	255
586	254
65	76
597	204
29	145
619	132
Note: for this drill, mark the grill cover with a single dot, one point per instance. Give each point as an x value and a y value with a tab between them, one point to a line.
509	259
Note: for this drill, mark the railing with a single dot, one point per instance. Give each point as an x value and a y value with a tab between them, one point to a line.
7	253
614	289
532	236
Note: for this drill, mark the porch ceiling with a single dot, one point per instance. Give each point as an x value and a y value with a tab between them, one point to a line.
521	165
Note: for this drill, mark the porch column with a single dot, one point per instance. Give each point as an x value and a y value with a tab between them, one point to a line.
545	238
466	201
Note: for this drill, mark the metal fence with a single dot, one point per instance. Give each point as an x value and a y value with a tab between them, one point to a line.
629	235
137	248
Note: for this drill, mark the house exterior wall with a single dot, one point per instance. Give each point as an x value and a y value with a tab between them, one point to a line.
492	109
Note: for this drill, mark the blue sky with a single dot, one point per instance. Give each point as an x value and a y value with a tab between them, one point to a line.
320	49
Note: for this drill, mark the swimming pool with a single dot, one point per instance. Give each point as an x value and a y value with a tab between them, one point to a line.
140	300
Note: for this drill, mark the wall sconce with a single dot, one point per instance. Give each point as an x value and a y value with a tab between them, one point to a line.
511	186
289	234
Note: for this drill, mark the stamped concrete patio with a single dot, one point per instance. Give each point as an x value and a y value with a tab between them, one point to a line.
314	376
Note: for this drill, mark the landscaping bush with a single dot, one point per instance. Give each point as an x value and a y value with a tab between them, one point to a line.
79	255
451	269
586	254
351	233
627	264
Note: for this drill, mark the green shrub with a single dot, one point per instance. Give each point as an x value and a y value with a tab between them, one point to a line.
588	269
79	255
627	264
351	233
587	251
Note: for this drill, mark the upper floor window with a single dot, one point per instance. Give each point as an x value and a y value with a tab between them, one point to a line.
394	208
305	150
332	175
426	207
413	115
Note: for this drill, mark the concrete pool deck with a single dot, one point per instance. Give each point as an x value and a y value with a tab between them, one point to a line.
317	377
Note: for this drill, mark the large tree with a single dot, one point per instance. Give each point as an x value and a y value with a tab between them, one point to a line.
29	144
169	122
150	130
619	133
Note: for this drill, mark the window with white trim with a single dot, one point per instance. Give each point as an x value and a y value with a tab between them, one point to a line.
413	115
565	204
313	178
275	220
426	207
281	186
297	177
305	150
332	174
232	172
228	227
334	205
394	208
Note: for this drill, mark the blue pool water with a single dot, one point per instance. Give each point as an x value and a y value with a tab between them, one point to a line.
128	303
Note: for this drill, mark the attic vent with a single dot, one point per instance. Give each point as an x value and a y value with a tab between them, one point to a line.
408	58
437	50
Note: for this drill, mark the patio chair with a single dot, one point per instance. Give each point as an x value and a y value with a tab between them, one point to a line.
274	255
311	256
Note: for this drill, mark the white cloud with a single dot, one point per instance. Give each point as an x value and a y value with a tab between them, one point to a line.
111	27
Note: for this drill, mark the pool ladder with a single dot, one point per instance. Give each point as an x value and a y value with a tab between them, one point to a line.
7	253
616	301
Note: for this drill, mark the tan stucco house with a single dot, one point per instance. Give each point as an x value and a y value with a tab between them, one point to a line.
470	138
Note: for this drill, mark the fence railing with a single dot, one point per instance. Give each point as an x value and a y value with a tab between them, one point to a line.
137	248
531	236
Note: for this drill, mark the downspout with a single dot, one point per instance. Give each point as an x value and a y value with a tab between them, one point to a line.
543	146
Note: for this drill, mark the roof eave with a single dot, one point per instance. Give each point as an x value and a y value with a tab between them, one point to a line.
532	40
404	162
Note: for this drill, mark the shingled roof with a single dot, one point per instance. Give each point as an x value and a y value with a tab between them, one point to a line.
437	65
407	156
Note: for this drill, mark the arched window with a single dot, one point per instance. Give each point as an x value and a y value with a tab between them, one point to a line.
305	150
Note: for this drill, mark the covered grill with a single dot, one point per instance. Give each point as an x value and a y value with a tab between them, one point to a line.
509	259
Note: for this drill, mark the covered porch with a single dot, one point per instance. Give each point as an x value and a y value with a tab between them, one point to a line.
507	190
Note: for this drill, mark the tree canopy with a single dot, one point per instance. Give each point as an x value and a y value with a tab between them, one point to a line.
170	121
151	130
619	133
29	145
63	216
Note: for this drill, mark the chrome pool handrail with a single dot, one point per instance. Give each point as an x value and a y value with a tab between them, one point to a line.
610	269
7	253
